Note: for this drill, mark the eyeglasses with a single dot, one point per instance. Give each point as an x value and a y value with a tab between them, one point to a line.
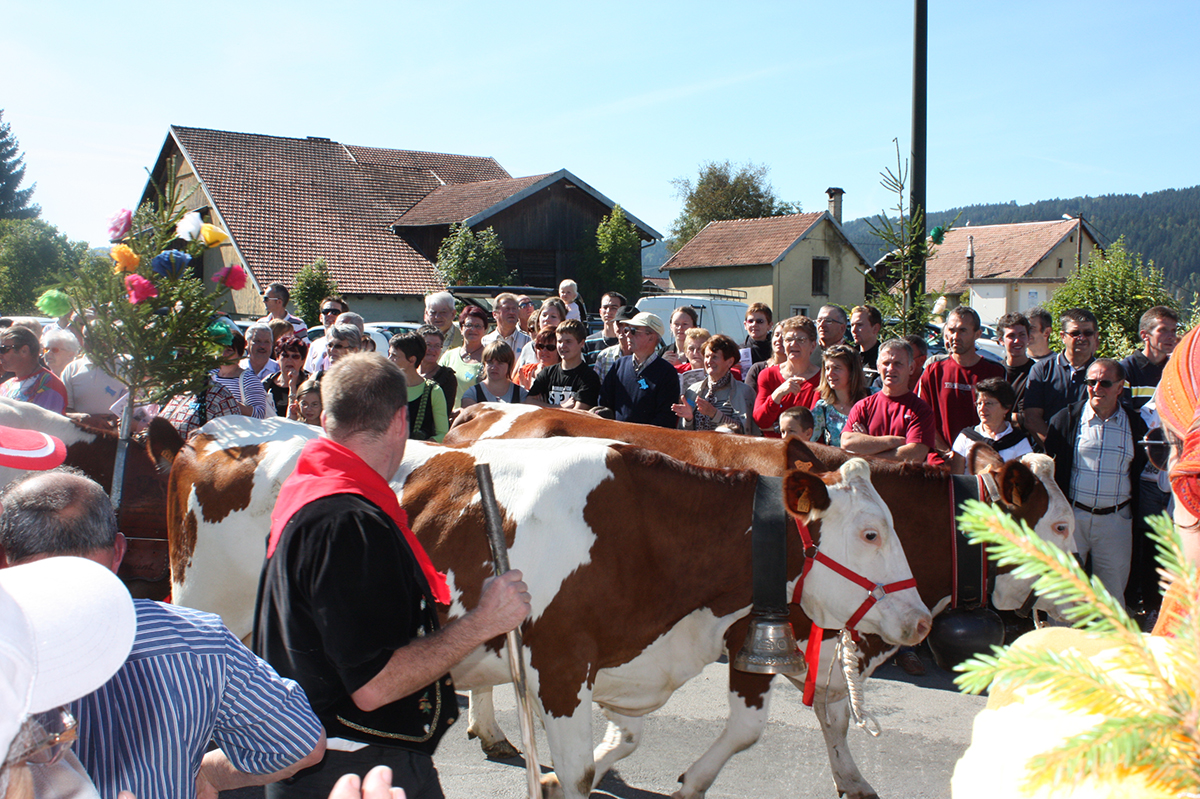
44	739
341	346
6	348
268	298
1158	451
327	311
526	304
545	346
1092	382
1079	333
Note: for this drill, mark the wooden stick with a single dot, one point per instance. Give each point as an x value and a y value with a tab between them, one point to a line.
516	657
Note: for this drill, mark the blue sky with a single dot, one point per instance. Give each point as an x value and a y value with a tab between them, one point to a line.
1028	100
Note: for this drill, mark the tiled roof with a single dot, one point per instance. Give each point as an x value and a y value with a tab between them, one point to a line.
454	203
743	242
1001	251
288	202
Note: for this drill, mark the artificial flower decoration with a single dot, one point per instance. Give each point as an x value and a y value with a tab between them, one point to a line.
171	263
938	234
189	227
232	277
212	235
54	303
220	333
118	225
139	288
127	260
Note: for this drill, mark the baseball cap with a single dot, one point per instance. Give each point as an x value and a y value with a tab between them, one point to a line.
647	320
30	449
66	626
626	312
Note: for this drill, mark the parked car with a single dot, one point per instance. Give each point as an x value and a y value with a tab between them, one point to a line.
720	310
988	346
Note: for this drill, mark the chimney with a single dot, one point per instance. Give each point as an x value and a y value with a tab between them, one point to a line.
835	203
970	257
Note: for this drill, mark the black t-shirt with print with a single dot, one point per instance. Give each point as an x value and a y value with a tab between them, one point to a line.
556	384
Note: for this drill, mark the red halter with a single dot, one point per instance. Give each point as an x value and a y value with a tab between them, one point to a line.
875	592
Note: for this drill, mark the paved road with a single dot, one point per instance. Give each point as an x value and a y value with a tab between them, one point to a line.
926	727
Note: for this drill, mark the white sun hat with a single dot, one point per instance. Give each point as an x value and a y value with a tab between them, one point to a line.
66	626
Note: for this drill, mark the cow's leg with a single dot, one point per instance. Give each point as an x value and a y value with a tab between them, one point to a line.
831	703
570	739
749	704
481	724
622	738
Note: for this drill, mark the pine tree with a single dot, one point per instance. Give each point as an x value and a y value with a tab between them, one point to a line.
14	201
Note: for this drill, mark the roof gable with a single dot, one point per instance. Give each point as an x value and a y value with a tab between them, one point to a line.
1001	251
744	242
456	203
287	202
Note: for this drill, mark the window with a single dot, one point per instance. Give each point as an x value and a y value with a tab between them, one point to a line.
1060	263
799	310
820	277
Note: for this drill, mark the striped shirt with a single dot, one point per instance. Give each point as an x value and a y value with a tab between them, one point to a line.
188	681
248	390
1103	452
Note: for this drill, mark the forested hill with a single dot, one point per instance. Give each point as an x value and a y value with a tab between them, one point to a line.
1163	226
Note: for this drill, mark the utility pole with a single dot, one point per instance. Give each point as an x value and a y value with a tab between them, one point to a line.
916	201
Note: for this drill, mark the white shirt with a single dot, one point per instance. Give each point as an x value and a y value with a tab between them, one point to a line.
517	340
962	443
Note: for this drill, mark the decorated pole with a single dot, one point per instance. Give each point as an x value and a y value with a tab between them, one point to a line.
147	316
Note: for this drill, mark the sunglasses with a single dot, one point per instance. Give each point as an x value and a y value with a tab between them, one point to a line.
526	304
545	346
327	311
1079	333
6	348
46	739
1157	449
1092	382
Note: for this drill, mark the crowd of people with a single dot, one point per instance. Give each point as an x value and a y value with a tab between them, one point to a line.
349	651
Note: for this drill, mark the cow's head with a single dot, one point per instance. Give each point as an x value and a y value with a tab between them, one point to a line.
1027	492
856	531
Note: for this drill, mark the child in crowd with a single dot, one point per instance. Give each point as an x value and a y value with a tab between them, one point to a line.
798	421
571	383
307	407
496	385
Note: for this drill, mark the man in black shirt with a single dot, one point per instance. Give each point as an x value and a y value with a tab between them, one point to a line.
610	304
347	599
865	324
571	383
1159	331
1013	331
758	332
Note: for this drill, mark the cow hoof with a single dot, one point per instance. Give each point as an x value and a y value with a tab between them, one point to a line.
551	788
501	750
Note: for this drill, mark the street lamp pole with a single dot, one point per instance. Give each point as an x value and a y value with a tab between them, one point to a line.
916	202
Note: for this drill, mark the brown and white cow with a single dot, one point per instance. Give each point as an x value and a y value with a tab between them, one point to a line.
142	515
919	497
628	603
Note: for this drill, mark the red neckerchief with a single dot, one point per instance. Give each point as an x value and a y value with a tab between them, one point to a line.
327	468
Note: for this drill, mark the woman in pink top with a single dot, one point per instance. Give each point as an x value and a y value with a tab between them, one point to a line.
793	382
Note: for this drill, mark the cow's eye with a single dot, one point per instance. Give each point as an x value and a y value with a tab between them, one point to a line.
1062	529
871	535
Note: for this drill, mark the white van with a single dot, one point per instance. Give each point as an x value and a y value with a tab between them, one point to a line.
721	310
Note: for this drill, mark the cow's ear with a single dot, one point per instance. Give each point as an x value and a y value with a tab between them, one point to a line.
1016	483
981	457
163	442
804	492
796	452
